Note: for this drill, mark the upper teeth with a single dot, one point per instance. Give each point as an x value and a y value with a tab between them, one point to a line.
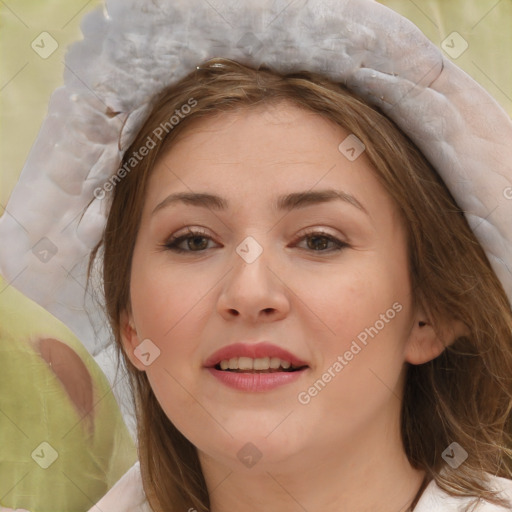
260	363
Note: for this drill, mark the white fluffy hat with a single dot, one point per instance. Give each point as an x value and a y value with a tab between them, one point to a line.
134	48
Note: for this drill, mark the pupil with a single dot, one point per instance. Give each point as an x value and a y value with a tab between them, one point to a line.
316	246
194	240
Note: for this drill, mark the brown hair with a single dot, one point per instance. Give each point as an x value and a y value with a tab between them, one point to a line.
464	395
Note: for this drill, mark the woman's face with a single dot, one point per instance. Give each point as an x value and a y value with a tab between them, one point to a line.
295	256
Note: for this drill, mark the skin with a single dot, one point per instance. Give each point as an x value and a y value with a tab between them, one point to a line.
342	450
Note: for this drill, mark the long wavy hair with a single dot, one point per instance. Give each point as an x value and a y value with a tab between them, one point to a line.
464	395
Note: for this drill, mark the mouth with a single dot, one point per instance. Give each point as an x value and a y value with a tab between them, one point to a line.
257	365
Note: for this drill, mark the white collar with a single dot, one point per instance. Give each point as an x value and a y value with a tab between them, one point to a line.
434	499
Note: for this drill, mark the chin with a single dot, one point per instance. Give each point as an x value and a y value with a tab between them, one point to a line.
259	448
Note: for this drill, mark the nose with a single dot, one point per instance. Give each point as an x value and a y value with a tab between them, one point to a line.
254	291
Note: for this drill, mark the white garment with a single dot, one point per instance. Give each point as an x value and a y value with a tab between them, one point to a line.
128	496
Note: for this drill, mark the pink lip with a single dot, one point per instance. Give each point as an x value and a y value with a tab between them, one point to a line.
254	381
256	350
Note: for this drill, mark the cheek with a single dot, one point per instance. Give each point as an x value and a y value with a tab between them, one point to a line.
165	307
178	397
360	297
369	318
164	299
368	314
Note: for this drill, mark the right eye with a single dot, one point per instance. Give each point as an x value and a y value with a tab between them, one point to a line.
195	240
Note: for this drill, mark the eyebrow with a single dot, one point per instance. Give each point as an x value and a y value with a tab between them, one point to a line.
286	202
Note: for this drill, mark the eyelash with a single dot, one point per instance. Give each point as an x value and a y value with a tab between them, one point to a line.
172	243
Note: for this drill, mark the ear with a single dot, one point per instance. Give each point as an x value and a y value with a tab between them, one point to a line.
130	339
425	342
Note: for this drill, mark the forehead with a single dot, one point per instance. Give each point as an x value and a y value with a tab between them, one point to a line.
248	126
275	135
251	154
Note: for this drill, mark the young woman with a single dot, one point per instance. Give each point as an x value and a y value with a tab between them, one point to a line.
306	327
304	271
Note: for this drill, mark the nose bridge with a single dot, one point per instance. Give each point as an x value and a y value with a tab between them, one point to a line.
251	263
251	286
250	250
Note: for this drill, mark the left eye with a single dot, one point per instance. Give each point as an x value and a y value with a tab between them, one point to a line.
197	241
319	241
